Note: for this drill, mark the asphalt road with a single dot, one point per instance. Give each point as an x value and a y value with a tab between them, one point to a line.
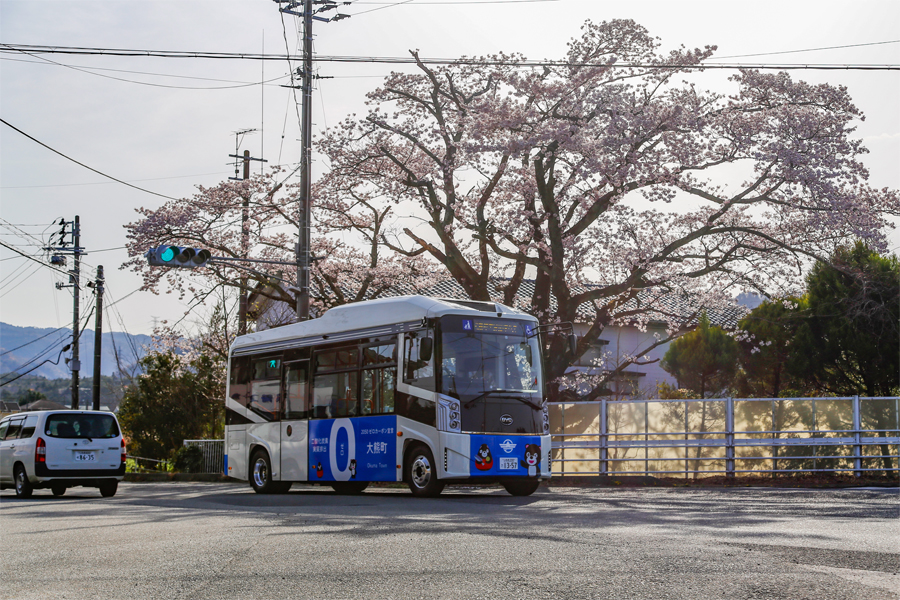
214	540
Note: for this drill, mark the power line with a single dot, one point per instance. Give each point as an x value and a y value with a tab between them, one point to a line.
438	61
807	50
34	340
14	249
90	71
23	187
84	165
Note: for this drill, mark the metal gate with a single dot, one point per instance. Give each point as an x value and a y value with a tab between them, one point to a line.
213	454
726	436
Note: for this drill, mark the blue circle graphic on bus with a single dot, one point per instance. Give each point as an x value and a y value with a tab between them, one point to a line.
342	449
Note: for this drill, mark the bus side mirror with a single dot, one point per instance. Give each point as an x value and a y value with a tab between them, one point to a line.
426	348
573	343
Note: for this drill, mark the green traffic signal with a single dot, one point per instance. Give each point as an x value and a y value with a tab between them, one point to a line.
178	256
168	254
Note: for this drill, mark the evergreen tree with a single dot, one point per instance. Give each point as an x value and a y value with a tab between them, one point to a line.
704	360
176	399
849	342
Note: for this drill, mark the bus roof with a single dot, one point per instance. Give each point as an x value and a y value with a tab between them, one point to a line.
377	313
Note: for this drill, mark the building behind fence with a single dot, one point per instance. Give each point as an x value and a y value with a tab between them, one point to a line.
726	436
720	436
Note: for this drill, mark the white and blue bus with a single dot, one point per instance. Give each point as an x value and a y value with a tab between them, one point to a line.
414	389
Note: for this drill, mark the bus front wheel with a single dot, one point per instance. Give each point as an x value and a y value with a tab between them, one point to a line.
421	473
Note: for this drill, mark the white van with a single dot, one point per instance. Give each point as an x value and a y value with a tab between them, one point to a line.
59	449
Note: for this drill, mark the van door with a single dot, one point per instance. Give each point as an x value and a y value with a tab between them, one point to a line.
10	447
5	461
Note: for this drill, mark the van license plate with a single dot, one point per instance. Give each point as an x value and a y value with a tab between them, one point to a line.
84	456
508	463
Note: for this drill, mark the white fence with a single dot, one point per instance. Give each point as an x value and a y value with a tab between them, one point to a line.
728	436
213	455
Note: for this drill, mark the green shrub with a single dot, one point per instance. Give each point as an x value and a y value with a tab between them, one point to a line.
187	459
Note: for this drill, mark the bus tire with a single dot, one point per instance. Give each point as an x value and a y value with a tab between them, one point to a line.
261	474
521	488
421	473
349	488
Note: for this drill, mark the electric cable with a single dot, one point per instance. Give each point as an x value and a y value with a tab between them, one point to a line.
4	353
525	63
84	165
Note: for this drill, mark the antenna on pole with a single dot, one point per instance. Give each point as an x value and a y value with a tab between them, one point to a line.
246	158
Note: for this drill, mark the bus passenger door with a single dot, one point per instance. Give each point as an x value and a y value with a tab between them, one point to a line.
294	424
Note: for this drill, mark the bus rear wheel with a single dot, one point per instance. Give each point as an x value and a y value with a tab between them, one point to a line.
261	475
421	474
521	488
349	487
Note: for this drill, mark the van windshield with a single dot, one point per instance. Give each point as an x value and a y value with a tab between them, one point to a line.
81	426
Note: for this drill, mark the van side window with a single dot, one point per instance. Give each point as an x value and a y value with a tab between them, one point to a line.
15	426
28	427
3	427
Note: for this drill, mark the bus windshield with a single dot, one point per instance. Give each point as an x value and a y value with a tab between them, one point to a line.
493	366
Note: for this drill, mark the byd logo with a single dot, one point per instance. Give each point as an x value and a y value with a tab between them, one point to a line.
506	420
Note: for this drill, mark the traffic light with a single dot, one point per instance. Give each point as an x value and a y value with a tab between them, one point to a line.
178	256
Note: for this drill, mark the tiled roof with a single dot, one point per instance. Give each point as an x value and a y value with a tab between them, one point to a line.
659	308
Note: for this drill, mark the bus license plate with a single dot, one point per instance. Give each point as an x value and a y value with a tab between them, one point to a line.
84	456
508	463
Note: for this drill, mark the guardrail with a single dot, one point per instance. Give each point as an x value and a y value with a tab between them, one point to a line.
726	436
213	455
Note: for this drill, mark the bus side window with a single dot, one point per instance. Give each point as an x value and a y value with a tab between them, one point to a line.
335	384
239	382
416	370
378	378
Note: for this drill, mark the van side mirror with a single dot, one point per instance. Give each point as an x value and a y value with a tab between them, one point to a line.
426	349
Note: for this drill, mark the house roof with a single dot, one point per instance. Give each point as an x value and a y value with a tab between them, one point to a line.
659	307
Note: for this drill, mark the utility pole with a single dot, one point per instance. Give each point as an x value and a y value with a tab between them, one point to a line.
98	336
75	283
75	279
303	250
245	217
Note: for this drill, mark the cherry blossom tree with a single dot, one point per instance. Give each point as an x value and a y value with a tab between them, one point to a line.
609	178
258	219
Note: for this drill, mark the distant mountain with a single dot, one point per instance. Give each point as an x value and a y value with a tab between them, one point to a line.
24	347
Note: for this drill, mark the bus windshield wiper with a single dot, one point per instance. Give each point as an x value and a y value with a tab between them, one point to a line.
505	394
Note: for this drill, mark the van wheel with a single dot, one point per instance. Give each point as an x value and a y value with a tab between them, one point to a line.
23	486
521	488
58	490
349	488
421	474
108	490
261	475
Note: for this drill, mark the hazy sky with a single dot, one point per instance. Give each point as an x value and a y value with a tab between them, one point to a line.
168	125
